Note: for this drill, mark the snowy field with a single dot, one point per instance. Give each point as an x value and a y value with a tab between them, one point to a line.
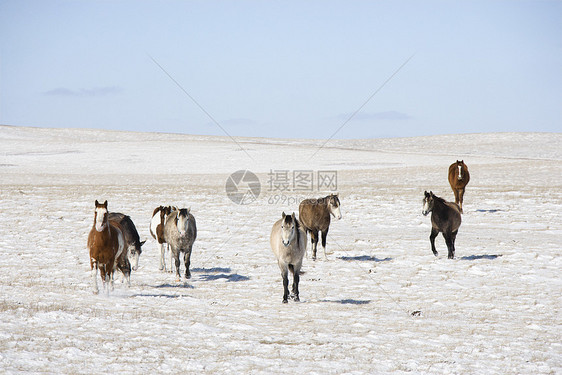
381	303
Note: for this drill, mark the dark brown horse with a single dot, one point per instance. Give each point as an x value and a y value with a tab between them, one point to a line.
445	218
106	244
458	179
133	244
314	214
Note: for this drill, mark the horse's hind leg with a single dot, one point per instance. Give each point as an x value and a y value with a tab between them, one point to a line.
324	236
434	233
453	238
162	266
314	241
450	241
125	267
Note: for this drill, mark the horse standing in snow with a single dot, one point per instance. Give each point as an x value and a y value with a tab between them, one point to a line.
180	232
133	250
314	214
445	218
157	223
288	242
458	179
106	244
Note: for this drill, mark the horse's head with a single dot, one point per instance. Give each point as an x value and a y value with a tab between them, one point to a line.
100	216
134	254
182	220
334	205
289	228
427	203
461	167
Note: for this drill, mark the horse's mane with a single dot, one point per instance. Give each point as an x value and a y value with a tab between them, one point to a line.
298	226
439	199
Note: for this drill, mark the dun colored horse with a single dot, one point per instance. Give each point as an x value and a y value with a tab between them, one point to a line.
314	215
106	244
458	179
445	218
288	242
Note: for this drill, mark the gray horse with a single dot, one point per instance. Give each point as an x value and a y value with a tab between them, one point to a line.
288	242
445	218
314	215
180	232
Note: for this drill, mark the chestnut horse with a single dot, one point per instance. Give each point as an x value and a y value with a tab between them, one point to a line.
106	244
458	179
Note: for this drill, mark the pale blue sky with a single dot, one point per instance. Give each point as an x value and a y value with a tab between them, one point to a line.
283	69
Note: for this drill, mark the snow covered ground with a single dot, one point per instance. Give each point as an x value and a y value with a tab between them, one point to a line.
382	303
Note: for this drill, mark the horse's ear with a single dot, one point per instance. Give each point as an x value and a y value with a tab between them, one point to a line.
97	203
293	216
142	243
283	215
105	203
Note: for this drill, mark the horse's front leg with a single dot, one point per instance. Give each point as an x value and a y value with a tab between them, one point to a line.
461	197
171	256
296	278
187	261
162	266
176	254
285	276
324	236
434	233
94	272
314	241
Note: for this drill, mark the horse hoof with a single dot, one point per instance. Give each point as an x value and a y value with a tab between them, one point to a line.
285	301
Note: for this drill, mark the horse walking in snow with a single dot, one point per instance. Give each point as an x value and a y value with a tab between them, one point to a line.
288	242
157	224
445	218
105	244
133	245
314	214
180	232
458	179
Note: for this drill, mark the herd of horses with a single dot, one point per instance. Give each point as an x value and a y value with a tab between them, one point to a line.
114	242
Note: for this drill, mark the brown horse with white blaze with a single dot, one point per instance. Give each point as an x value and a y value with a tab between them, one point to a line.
458	179
106	244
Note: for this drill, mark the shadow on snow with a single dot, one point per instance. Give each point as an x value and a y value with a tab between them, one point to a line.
365	258
484	256
349	301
